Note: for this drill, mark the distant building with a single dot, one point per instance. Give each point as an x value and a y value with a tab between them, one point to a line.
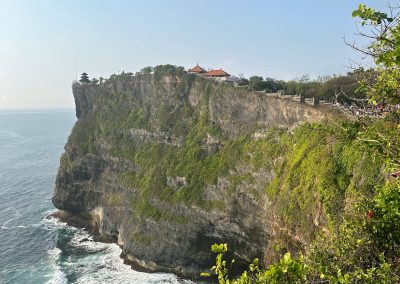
197	70
221	75
218	74
84	78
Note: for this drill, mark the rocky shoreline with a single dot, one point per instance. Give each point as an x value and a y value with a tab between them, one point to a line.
85	221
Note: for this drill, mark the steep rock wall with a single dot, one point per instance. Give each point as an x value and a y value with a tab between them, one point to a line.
157	167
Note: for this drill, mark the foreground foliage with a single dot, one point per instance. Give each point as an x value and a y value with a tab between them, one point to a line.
286	271
363	243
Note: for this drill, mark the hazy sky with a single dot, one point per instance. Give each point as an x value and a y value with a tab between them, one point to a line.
283	39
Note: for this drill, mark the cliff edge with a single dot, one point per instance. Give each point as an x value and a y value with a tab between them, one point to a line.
168	164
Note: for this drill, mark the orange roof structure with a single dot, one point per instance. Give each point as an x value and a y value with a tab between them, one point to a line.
197	69
217	73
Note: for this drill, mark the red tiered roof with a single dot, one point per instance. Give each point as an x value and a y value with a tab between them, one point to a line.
197	69
217	73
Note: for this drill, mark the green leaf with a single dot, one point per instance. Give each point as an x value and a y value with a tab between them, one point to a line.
286	258
205	274
219	248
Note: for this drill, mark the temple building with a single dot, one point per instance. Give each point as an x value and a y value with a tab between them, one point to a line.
217	74
197	70
221	75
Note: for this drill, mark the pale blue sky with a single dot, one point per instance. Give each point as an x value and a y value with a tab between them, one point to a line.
39	40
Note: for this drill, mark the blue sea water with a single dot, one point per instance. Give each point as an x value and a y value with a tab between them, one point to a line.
34	249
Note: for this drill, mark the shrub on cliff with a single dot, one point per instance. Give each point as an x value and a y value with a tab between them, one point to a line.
161	71
287	270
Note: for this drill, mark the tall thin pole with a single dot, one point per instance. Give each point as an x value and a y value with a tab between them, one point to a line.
76	72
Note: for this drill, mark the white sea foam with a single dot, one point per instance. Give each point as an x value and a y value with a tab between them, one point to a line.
57	276
16	138
4	226
104	265
11	134
22	226
101	264
50	223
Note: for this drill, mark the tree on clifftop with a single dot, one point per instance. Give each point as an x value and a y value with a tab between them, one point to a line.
383	86
384	31
84	78
256	83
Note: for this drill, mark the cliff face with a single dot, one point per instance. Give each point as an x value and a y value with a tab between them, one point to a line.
167	166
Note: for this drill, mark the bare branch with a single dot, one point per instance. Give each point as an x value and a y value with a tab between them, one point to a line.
354	46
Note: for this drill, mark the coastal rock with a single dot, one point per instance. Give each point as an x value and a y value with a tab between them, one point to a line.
131	174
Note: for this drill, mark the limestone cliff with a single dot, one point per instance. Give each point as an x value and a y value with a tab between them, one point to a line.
168	164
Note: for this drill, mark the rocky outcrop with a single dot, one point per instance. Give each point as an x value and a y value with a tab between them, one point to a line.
108	173
161	137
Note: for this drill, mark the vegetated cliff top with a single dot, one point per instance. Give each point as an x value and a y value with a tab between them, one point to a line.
234	107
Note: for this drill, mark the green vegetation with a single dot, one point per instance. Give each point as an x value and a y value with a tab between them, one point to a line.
324	182
327	184
314	169
315	165
299	270
384	50
287	270
363	243
161	71
335	88
294	160
83	135
307	171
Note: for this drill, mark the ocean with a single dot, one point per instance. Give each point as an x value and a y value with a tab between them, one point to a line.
34	249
